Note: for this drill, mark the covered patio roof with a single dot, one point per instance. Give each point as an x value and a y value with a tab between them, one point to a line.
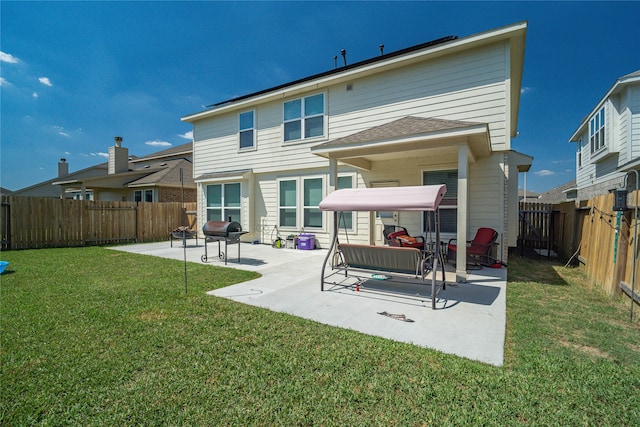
410	135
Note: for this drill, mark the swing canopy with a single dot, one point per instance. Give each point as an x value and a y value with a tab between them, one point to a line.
412	198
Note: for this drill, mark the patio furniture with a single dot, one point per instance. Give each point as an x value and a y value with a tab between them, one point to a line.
478	249
405	261
183	233
396	235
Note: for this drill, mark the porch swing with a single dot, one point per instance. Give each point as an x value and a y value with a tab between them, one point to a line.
395	264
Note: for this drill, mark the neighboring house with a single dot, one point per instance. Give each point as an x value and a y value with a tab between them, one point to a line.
608	140
527	195
439	112
152	178
560	194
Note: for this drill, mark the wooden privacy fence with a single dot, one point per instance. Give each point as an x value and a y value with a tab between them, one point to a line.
593	233
607	242
34	222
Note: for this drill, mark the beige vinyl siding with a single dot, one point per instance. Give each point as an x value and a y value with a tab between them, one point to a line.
634	123
469	87
485	185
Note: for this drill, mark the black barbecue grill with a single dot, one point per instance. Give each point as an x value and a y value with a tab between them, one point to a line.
219	231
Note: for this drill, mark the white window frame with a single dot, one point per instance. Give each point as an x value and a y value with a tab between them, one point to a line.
224	208
294	206
315	207
251	129
303	118
597	131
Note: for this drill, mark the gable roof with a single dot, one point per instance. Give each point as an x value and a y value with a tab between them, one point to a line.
514	34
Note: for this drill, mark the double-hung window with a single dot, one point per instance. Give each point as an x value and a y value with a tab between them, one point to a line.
597	131
449	203
246	130
304	118
223	202
288	203
312	189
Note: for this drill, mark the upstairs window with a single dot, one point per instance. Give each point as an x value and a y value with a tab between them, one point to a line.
247	131
597	131
304	118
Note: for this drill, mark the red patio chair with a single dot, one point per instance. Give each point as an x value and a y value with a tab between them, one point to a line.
395	235
478	249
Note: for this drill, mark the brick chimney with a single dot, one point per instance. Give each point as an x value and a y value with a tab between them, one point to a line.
118	157
63	168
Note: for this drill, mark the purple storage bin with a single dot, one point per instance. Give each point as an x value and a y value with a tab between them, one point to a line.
306	242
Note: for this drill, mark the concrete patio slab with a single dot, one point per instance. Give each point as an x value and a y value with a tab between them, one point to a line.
469	320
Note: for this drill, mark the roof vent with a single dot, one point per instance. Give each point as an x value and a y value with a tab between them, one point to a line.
344	56
381	49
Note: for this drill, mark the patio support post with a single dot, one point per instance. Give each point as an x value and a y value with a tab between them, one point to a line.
463	206
332	220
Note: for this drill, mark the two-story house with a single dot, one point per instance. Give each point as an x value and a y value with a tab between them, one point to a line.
439	112
608	139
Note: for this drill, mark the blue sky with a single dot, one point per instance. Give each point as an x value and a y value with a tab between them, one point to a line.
76	74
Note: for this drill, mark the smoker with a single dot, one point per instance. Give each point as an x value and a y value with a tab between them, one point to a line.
228	232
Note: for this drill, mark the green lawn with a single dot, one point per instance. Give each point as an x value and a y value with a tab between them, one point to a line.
92	336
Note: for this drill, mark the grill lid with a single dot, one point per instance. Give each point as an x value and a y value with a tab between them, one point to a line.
221	228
